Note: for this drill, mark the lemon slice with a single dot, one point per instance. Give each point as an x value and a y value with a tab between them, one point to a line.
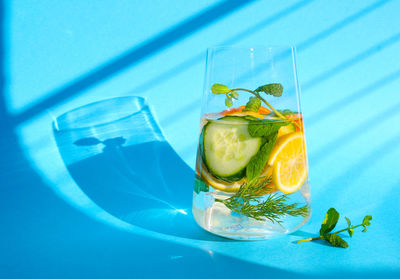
284	130
218	184
289	163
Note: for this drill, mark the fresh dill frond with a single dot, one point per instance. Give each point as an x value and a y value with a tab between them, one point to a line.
250	201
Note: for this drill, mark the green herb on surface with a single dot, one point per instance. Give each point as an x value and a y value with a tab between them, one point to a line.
329	223
248	201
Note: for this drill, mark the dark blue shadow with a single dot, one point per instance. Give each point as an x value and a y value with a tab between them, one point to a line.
116	153
111	179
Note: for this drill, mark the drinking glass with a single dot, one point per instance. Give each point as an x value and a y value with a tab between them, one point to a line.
251	169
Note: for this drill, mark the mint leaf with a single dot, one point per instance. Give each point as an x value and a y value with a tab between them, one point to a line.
366	220
348	221
265	127
350	229
253	104
228	102
336	240
219	89
235	95
258	161
330	221
274	89
199	185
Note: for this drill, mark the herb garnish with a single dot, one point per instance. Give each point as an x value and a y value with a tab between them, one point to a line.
247	201
265	127
258	161
329	223
274	89
199	185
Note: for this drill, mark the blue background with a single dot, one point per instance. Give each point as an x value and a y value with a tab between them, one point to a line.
57	55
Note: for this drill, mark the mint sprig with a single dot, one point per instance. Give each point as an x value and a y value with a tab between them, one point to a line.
274	89
329	223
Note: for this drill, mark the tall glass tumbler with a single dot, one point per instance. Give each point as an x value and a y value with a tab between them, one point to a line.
252	172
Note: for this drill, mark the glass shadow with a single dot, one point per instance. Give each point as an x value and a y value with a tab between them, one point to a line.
116	153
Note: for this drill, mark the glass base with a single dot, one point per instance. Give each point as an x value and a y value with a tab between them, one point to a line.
216	218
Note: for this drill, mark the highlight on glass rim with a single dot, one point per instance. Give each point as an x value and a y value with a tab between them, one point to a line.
251	169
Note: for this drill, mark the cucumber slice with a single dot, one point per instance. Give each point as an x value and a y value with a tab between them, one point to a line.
228	147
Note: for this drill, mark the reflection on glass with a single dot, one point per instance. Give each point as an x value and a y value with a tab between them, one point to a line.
252	174
117	154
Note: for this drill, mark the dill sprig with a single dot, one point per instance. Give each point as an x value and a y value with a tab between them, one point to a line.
249	202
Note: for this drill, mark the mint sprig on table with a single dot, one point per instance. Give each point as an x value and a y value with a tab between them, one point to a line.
329	223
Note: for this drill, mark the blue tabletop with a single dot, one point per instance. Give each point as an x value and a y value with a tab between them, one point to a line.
58	222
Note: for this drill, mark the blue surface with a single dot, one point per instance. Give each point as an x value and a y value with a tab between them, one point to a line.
57	56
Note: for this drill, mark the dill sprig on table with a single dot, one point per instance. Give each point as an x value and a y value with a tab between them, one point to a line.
248	200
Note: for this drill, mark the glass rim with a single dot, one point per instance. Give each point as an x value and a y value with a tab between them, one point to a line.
250	47
91	106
